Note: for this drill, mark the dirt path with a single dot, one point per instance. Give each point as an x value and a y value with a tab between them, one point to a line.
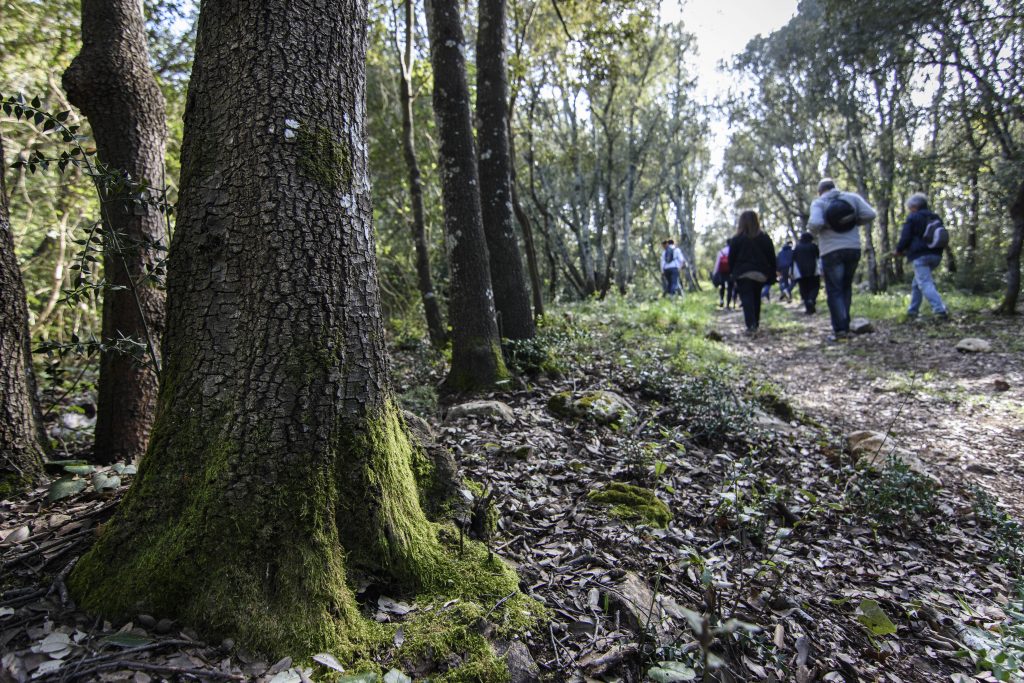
961	413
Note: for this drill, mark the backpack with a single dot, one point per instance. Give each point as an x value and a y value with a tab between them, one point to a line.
723	264
935	235
670	255
840	215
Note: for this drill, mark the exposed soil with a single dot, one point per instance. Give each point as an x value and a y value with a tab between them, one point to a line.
962	413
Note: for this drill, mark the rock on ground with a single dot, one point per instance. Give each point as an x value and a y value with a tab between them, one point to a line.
861	326
973	345
601	406
494	409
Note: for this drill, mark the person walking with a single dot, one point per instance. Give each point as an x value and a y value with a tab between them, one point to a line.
672	262
922	243
836	218
784	260
721	277
806	271
752	260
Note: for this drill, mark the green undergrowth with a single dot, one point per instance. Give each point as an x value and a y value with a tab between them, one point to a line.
633	504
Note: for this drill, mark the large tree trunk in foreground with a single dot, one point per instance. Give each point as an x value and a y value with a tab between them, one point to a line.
1009	304
431	307
278	459
476	348
22	439
110	81
494	161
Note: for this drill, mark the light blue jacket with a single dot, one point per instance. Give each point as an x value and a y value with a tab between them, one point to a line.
828	239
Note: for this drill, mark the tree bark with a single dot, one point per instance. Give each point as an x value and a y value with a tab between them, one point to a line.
278	459
511	299
23	441
431	307
111	82
1009	304
476	346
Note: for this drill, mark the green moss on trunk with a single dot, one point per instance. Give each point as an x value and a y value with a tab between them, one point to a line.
482	367
196	541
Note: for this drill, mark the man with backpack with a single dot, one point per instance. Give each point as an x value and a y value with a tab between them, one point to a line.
923	240
836	218
672	262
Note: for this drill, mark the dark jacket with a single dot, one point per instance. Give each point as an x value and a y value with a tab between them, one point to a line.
911	242
752	254
805	256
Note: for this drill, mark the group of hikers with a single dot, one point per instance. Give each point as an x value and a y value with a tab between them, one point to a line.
748	266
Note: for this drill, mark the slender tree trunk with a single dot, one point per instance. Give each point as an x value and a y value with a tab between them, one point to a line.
111	82
625	271
1009	304
23	441
476	345
279	459
532	265
431	307
494	162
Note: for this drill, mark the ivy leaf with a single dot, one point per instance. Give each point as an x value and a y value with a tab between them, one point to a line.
671	672
875	619
64	488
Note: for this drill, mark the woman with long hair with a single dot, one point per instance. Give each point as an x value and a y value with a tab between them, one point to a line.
752	262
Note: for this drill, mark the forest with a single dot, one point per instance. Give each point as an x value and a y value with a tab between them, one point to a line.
385	340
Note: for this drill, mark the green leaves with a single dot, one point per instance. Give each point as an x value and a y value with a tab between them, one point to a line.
64	488
671	672
875	619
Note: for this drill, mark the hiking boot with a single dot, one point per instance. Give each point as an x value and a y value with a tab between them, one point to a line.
910	318
942	317
837	337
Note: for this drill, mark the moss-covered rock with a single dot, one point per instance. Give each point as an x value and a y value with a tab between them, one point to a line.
633	504
600	406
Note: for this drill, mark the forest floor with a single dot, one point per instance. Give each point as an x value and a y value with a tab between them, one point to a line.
784	551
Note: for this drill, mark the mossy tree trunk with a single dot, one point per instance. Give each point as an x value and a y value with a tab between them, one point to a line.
22	439
278	460
476	347
431	307
111	82
494	162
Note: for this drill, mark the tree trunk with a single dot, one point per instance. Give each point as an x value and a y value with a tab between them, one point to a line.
1009	304
279	459
431	307
23	441
111	82
495	166
625	270
476	345
533	267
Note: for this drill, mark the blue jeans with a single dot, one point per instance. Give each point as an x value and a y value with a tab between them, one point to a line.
840	266
924	285
671	282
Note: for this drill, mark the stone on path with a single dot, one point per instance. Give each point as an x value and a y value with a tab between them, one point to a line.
973	345
601	406
640	608
861	326
482	409
872	449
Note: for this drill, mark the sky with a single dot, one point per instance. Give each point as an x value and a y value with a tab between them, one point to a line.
722	29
